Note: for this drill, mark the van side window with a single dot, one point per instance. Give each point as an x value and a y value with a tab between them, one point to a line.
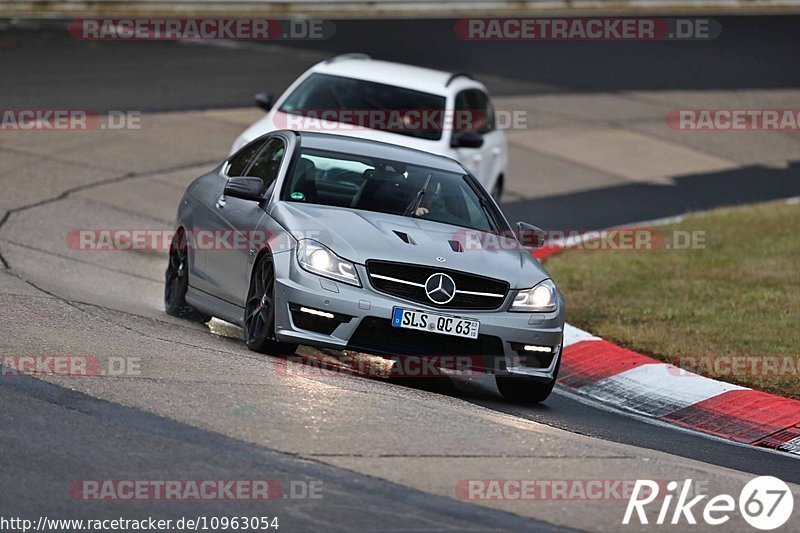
474	112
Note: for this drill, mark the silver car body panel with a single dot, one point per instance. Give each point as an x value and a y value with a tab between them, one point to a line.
219	280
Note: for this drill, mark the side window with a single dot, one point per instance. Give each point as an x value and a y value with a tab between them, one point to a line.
474	112
238	164
268	162
488	109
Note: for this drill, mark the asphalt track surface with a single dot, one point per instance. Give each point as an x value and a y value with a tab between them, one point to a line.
115	439
58	431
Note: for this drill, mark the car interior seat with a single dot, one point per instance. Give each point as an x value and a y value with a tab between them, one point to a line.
305	180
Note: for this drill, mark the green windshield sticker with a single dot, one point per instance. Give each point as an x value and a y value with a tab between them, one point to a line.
297	196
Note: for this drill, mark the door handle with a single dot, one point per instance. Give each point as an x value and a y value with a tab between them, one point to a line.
221	202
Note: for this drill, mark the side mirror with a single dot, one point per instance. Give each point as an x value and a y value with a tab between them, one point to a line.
529	236
244	187
264	101
466	139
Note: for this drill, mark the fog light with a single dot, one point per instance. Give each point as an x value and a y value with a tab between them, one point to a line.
534	348
316	312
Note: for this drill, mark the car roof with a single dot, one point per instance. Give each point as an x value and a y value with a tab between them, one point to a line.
423	79
380	150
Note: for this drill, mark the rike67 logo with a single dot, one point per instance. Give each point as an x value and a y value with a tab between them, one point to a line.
765	503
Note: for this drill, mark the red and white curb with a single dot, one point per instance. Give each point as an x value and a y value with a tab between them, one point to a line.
633	382
639	384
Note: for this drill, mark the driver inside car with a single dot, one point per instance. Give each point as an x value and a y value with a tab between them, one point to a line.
432	203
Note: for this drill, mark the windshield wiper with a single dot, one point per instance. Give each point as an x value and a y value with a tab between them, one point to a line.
489	212
412	207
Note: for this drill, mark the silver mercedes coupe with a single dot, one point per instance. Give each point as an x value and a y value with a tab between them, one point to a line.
344	243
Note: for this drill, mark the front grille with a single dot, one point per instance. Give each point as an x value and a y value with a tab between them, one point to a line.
420	274
376	335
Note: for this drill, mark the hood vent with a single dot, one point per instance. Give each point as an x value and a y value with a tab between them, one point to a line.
404	237
456	246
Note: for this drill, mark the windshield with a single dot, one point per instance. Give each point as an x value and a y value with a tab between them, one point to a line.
392	187
368	104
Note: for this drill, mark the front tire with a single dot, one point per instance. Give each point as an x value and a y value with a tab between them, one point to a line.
177	282
259	312
527	390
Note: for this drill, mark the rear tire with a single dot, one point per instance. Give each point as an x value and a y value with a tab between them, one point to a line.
526	390
259	312
176	282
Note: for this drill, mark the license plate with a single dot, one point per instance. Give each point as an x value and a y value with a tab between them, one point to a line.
435	323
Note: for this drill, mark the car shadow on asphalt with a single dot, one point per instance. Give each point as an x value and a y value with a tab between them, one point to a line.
325	363
478	388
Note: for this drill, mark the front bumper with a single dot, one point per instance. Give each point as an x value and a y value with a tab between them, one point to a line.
363	315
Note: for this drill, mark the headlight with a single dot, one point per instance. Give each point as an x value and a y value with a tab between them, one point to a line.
540	299
319	260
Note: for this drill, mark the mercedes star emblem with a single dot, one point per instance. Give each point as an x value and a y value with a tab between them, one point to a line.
440	288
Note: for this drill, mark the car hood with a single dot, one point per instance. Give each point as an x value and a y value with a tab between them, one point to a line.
359	236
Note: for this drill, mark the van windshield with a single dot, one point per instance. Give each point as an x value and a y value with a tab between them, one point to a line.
367	104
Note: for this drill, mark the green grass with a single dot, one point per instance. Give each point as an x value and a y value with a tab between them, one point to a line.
739	295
